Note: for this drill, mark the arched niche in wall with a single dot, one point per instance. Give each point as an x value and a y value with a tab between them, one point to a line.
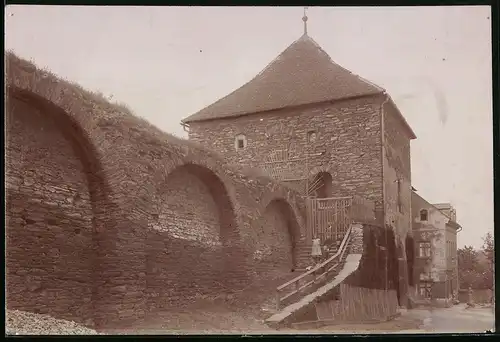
322	185
193	245
56	199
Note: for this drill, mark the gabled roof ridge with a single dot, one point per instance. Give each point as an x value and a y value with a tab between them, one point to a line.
282	83
250	80
274	60
340	66
402	118
433	206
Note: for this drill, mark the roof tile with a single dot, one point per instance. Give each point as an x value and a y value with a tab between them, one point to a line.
302	74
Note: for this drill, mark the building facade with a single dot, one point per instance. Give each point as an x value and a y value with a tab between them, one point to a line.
435	231
309	122
316	117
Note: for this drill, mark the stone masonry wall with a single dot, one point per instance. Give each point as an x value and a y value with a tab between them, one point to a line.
122	230
396	166
191	252
185	203
347	139
378	268
49	257
275	250
397	188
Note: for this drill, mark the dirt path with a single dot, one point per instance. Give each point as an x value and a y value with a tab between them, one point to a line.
237	312
244	312
457	319
220	320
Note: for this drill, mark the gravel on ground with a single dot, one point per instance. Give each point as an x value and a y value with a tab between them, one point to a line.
28	323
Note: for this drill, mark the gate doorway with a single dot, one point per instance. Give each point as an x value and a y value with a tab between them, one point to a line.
330	218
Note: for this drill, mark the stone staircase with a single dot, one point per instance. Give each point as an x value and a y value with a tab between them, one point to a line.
303	254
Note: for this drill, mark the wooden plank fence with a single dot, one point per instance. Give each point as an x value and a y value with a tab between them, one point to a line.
359	304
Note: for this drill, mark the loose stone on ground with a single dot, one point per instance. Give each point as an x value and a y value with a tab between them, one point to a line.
27	323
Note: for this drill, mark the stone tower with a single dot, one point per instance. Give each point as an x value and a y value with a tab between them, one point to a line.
309	117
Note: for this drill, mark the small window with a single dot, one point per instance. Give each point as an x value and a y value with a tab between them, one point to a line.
311	136
424	215
240	142
424	249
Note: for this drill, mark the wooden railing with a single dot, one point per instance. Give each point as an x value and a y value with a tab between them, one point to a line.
312	277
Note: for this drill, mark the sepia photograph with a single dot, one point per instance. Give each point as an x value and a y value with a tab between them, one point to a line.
248	170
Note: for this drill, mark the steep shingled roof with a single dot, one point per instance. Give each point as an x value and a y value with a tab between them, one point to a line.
302	74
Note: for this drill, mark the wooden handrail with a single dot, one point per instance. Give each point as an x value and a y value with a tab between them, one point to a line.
295	281
333	198
317	267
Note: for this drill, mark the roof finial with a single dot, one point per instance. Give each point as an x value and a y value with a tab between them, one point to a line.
304	19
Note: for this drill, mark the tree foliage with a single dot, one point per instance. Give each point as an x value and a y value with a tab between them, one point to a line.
467	259
474	271
488	247
487	269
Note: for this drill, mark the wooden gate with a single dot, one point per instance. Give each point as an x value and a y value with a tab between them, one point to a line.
328	218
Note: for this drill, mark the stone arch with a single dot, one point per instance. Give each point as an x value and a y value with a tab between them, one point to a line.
283	195
219	191
323	181
278	232
326	177
57	194
322	168
193	244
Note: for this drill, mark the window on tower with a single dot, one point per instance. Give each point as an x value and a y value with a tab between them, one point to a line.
311	136
240	142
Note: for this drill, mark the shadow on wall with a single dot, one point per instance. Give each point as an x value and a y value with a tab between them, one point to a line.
193	247
66	256
410	259
277	237
55	204
379	267
322	185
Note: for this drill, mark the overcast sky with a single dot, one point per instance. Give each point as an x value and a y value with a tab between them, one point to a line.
168	62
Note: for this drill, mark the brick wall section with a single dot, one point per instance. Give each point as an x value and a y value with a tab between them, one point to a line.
129	168
348	133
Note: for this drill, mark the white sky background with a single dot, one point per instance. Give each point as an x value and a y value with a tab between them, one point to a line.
169	62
